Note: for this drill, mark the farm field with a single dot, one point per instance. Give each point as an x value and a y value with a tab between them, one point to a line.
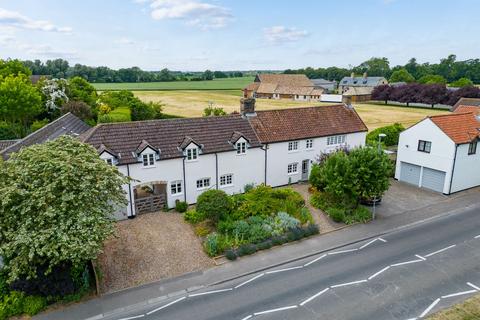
190	103
216	84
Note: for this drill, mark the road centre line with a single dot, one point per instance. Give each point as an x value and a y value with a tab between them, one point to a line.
348	283
420	257
209	292
247	317
430	307
342	251
383	240
441	250
167	305
368	243
458	294
406	262
250	280
282	270
135	317
314	260
477	237
314	296
379	272
275	310
473	286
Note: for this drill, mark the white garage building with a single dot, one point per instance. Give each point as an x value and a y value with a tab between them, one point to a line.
440	152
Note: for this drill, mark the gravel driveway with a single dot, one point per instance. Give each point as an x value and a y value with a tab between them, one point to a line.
149	248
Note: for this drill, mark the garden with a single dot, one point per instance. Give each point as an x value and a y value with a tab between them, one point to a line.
343	180
243	224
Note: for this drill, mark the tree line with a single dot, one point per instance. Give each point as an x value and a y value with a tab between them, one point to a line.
448	70
60	68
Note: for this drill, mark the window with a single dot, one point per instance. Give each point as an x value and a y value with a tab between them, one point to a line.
226	180
424	146
192	154
292	168
241	147
176	187
148	159
309	144
109	161
203	183
472	147
293	145
333	140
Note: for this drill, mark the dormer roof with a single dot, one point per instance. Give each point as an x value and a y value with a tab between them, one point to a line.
187	140
144	145
236	135
103	148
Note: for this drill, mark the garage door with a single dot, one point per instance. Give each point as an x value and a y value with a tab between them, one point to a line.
433	179
410	173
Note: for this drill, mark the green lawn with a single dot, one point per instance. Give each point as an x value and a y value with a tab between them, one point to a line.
216	84
467	310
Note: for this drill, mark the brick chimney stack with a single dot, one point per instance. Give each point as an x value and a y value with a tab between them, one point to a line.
247	107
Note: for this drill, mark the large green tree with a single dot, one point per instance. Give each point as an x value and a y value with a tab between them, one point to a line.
56	206
13	67
79	89
401	75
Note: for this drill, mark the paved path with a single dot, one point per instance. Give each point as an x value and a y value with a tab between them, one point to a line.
401	275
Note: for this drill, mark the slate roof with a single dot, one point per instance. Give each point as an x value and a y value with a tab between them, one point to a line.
466	102
320	82
7	143
169	135
460	127
302	123
68	124
361	81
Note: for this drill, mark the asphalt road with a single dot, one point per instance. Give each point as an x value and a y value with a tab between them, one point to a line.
403	275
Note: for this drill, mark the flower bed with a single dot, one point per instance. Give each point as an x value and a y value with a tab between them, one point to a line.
242	224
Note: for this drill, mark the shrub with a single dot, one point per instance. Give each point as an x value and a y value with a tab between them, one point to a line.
392	133
193	216
283	221
251	248
181	206
304	216
231	254
11	305
265	245
202	231
38	124
360	214
312	229
248	187
214	204
9	131
277	240
4	288
34	304
78	108
211	244
337	214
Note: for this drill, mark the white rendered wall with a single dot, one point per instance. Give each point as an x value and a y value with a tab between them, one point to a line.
467	169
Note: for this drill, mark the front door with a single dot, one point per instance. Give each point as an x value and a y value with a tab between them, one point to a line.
305	164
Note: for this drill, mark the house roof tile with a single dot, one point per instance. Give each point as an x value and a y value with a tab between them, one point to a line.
7	143
466	102
460	127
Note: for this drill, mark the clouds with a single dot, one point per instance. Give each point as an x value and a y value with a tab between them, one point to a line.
282	34
195	13
16	20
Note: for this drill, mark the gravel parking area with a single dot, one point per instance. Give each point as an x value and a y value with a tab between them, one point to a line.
149	248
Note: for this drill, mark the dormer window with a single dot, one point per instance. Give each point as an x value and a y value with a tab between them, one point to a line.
109	161
192	154
148	159
241	147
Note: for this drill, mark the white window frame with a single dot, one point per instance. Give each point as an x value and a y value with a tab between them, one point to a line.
309	144
292	146
336	140
292	168
203	183
109	161
192	154
226	180
176	187
241	147
148	160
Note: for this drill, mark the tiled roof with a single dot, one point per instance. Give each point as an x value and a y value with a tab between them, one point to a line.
267	87
466	102
7	143
301	123
252	86
463	109
460	127
213	133
358	91
361	81
289	80
67	124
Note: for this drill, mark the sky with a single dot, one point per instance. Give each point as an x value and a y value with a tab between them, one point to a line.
195	35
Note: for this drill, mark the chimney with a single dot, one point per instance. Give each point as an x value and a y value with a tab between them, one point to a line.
365	75
352	75
347	100
247	107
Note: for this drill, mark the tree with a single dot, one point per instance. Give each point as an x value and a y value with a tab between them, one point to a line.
53	94
79	89
213	111
382	93
462	82
433	94
78	108
56	206
379	67
432	79
214	204
13	68
20	102
207	75
401	75
392	133
220	75
464	92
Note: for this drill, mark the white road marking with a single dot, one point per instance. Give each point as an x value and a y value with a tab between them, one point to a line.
477	237
167	305
250	280
379	272
209	292
383	240
314	260
412	319
441	250
368	243
348	283
342	251
406	262
458	294
282	270
247	317
274	310
473	286
314	296
420	257
135	317
430	307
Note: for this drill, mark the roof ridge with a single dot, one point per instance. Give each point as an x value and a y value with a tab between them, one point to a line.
297	108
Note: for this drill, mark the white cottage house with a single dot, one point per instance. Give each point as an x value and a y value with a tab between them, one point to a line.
440	152
178	159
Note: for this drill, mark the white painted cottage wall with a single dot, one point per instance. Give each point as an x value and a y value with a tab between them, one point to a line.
467	169
441	154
